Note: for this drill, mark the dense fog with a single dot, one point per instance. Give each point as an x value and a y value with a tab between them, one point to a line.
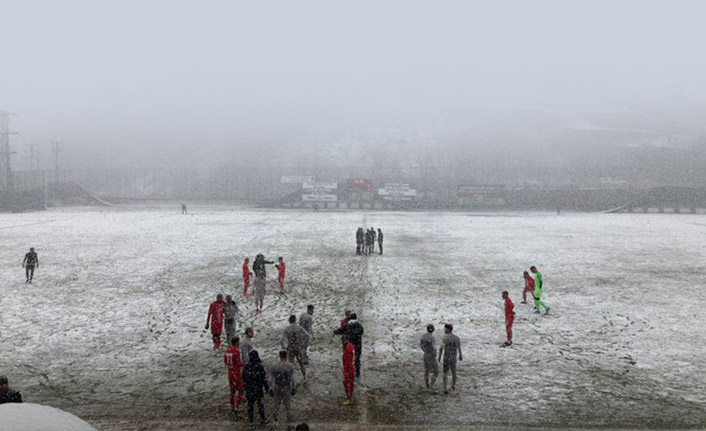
175	83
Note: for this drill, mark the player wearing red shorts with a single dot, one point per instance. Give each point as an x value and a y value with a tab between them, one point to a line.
215	319
509	308
348	370
232	359
280	273
529	287
246	277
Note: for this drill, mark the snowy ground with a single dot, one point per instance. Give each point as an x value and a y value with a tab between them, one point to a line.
112	328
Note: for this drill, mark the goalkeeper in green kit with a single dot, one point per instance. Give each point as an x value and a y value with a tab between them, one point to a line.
538	292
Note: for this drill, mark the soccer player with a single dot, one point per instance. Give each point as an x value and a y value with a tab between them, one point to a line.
509	308
450	348
183	209
372	240
292	340
233	360
260	292
280	273
380	239
259	265
306	321
529	286
359	241
215	318
431	365
246	276
354	332
7	395
247	345
348	369
539	292
282	387
30	262
254	380
231	312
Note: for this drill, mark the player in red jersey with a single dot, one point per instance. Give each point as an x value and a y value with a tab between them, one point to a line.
529	287
280	273
215	319
509	308
233	360
246	277
348	369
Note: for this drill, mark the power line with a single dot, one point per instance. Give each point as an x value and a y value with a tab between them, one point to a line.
6	179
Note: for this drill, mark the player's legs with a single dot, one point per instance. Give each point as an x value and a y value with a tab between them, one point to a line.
216	340
251	411
287	401
305	354
239	388
508	329
348	386
233	389
446	377
298	355
230	331
541	303
261	410
349	382
358	351
453	375
246	283
281	283
434	374
276	405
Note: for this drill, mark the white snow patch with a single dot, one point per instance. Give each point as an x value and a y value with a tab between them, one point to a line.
35	417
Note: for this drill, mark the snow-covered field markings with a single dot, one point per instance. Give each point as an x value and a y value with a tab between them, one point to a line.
112	328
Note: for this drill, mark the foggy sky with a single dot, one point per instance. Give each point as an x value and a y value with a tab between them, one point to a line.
141	80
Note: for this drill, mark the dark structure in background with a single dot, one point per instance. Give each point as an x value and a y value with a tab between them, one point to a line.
13	199
263	186
21	200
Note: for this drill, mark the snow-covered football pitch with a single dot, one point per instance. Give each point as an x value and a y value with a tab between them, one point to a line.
112	328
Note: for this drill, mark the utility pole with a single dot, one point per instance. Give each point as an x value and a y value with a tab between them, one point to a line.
6	180
56	149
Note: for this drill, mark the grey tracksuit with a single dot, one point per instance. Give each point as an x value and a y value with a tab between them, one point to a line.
231	313
259	288
306	321
293	338
450	349
283	385
431	365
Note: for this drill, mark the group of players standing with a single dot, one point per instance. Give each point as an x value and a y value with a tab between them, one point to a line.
365	241
249	380
247	377
534	286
